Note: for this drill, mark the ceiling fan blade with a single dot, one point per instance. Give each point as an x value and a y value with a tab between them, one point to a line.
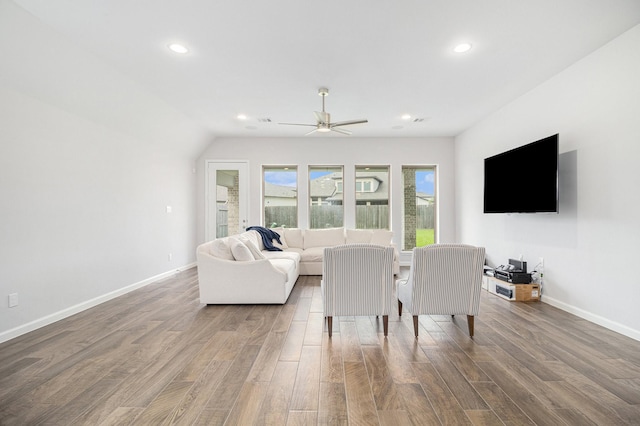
322	117
344	132
298	124
347	123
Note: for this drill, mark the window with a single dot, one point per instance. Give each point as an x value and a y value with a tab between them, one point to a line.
418	206
280	196
325	198
366	185
372	197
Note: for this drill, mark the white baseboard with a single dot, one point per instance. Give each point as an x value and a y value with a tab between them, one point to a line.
611	325
57	316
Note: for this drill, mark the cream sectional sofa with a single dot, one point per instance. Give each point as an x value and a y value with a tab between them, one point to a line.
310	244
237	269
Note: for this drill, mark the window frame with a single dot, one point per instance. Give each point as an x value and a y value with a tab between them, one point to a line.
435	203
318	201
361	169
283	168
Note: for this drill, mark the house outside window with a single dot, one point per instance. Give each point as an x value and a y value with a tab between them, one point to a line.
372	197
418	206
325	201
280	196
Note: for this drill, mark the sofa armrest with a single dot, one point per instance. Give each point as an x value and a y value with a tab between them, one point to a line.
228	281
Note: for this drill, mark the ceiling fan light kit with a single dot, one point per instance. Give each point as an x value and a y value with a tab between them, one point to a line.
323	120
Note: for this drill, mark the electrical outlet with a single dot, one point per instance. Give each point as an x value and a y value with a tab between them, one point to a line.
13	300
169	257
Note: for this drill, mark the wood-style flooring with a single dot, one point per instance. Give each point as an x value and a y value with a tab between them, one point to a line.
157	356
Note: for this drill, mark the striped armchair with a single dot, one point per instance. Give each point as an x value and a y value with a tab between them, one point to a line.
444	279
357	279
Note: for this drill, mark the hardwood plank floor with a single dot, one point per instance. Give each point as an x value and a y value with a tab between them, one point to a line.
157	356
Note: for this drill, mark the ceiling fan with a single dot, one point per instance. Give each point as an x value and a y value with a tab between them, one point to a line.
323	119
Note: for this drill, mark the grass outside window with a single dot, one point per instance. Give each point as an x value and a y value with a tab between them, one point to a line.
424	237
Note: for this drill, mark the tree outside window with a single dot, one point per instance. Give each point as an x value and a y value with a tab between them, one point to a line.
419	206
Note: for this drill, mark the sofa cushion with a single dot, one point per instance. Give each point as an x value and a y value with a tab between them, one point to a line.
220	248
240	251
252	236
252	245
295	250
295	256
323	237
359	236
283	240
381	237
286	266
313	254
293	236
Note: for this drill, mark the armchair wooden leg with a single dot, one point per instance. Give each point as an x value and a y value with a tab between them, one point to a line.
399	308
470	324
385	324
330	325
415	325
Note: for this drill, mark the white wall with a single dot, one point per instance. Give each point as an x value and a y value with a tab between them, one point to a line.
590	248
88	163
345	151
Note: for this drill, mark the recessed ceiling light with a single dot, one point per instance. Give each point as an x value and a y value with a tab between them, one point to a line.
406	117
241	117
178	48
462	47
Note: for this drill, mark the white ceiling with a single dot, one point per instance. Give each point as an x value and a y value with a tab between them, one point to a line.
380	59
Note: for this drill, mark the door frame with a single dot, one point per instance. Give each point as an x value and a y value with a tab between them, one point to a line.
243	187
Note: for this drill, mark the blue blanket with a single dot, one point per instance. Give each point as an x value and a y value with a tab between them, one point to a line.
268	236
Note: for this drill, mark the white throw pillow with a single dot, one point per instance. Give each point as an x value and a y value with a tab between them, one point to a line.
280	232
220	249
294	237
251	245
240	251
381	237
252	236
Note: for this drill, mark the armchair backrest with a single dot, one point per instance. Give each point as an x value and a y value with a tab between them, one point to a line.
446	279
357	279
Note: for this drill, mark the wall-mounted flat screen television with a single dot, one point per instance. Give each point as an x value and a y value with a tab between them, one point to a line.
524	179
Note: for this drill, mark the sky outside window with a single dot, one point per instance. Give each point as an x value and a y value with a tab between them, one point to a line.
424	179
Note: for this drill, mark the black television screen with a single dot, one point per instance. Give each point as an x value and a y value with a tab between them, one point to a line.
524	179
